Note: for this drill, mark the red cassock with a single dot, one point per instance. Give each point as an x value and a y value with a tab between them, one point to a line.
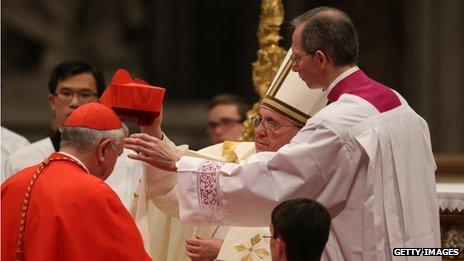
72	215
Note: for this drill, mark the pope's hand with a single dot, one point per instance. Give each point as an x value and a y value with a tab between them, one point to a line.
155	128
203	248
152	151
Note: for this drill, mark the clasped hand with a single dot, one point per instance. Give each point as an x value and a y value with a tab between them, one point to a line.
203	248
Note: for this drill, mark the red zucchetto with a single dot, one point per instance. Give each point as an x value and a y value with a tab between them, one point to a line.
94	116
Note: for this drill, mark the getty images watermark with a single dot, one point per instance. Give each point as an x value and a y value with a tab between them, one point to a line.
426	251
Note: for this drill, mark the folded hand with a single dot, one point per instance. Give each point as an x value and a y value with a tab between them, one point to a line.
203	248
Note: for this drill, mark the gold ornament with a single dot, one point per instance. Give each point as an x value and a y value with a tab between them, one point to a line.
269	57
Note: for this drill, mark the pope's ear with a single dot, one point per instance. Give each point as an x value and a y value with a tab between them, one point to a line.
102	149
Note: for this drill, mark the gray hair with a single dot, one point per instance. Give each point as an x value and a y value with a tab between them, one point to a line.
85	139
331	31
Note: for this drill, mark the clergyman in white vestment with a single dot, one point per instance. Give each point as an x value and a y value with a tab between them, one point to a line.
366	157
284	110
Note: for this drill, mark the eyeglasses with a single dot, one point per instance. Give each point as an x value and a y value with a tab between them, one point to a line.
225	122
67	95
268	124
270	237
296	58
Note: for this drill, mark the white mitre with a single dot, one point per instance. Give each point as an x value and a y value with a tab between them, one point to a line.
290	97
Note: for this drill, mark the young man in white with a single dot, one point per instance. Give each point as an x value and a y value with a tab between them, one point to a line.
74	83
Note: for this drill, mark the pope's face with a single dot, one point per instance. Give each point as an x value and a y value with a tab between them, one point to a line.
70	94
224	123
267	139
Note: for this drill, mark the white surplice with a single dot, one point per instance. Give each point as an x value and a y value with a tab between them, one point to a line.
155	208
123	180
10	143
373	170
155	211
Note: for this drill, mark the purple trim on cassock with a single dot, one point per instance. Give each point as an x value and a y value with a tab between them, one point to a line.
377	94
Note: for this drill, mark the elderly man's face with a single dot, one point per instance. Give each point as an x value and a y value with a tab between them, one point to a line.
272	139
112	153
70	94
224	123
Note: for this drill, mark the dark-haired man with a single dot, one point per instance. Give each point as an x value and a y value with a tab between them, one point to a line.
74	83
226	113
366	157
299	230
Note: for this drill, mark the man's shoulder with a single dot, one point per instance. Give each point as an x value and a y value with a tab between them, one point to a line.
73	183
27	156
351	115
70	174
87	189
21	177
36	150
11	141
341	115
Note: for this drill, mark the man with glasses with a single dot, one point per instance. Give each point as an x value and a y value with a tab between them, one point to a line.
280	117
366	157
74	83
226	113
272	131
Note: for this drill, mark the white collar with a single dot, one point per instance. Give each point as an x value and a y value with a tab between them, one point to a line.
341	77
76	159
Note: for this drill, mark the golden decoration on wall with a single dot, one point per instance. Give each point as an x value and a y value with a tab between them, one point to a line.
269	56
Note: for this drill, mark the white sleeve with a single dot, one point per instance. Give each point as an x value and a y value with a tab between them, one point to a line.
7	169
159	186
159	182
314	165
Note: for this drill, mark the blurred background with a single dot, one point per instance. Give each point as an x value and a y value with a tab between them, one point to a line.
197	49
